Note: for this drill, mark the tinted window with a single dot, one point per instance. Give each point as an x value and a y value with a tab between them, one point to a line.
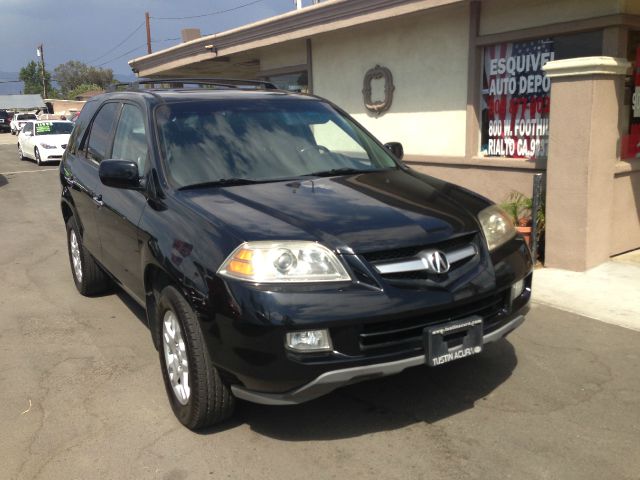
261	140
130	142
100	135
78	138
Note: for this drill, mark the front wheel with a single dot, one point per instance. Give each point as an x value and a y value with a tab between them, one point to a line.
36	152
198	396
20	153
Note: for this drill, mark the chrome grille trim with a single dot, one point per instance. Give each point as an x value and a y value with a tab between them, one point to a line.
415	264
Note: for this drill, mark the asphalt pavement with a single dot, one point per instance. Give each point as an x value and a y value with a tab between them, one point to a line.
82	395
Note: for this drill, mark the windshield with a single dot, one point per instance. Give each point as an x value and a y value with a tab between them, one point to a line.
53	128
262	140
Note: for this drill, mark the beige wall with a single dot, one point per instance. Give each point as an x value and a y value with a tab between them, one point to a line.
630	6
427	55
625	224
507	15
283	55
64	107
493	183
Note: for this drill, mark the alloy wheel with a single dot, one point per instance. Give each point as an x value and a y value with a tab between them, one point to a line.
75	255
175	357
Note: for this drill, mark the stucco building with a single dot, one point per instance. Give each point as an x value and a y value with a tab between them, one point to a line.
481	93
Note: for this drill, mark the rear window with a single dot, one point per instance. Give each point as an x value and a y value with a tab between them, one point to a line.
26	116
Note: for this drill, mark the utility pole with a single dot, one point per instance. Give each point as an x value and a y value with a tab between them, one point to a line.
146	18
40	52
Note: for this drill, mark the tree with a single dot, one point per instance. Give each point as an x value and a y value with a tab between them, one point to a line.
73	74
80	89
31	75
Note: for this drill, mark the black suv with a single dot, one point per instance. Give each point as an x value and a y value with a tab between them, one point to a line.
5	121
280	251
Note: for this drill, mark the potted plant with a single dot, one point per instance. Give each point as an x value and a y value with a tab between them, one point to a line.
519	207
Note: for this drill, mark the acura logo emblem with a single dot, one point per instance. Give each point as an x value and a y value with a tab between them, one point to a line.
435	261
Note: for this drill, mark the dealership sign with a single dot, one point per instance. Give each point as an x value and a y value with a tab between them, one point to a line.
516	99
631	142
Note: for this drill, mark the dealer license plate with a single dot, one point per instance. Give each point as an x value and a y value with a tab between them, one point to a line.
453	340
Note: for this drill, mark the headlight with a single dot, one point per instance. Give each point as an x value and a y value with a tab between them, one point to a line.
497	226
46	145
283	262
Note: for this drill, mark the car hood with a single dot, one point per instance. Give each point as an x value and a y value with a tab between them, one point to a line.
360	213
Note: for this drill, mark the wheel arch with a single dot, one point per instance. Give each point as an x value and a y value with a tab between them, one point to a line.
69	211
155	279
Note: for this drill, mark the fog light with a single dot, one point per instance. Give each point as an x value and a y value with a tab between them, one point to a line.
516	289
309	341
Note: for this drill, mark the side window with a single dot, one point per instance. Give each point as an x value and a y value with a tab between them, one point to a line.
100	134
130	142
28	128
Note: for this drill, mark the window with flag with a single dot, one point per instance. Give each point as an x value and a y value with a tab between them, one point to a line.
516	92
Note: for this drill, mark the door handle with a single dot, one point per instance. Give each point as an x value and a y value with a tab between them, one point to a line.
97	199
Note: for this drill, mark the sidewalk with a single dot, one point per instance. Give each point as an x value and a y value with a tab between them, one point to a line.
609	292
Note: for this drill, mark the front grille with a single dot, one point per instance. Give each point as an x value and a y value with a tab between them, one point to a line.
420	279
408	252
407	333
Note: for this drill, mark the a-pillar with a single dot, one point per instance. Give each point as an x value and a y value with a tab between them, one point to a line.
584	133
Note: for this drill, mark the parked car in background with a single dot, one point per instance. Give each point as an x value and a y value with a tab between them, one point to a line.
44	141
19	119
5	120
73	116
279	249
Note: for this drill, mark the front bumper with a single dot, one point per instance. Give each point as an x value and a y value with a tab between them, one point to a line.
329	381
374	332
51	154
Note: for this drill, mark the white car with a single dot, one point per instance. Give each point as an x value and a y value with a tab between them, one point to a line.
44	141
19	119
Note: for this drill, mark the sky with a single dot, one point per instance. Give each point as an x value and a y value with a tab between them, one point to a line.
109	33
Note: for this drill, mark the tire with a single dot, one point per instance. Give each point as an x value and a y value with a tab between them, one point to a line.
198	397
20	153
88	277
36	153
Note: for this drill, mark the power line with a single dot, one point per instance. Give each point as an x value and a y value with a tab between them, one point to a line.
118	45
123	55
209	14
166	40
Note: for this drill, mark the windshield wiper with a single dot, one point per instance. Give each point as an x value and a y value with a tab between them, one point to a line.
223	182
346	171
337	171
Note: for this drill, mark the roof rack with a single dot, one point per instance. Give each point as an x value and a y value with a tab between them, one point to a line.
208	82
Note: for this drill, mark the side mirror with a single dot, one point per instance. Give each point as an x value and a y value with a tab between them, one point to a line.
119	174
396	149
